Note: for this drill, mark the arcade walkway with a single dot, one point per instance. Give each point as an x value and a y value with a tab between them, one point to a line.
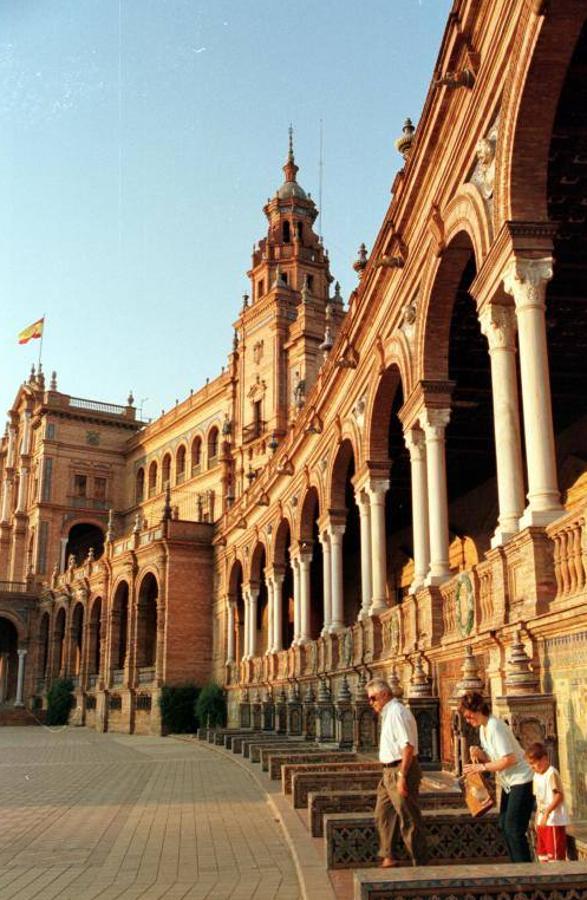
86	815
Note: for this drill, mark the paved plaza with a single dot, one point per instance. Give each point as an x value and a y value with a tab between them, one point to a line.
86	815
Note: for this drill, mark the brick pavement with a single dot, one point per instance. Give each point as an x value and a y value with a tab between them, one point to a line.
87	816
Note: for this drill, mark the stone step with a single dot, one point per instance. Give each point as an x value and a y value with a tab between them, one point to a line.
321	804
276	760
309	750
256	750
13	716
367	777
350	839
510	881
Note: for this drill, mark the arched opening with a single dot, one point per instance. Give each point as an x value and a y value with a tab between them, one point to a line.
345	506
212	447
166	471
95	649
310	543
283	567
235	593
196	455
119	639
140	486
147	622
8	660
59	643
180	465
153	479
81	539
261	629
77	636
300	230
566	297
43	646
286	231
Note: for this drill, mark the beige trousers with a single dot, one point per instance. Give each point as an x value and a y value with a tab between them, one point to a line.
397	815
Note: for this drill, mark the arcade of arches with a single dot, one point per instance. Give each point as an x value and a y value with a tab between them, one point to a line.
397	487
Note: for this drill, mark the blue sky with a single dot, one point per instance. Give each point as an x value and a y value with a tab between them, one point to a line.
139	140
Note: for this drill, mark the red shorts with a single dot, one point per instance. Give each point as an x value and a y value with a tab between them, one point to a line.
551	842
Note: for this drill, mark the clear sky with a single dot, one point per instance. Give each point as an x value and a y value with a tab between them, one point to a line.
139	140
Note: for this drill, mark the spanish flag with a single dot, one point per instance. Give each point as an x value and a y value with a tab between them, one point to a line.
33	331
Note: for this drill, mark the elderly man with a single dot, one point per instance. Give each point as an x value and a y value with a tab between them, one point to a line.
397	794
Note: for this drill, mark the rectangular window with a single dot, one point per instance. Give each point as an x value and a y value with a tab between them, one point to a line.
47	479
100	488
80	485
50	431
42	548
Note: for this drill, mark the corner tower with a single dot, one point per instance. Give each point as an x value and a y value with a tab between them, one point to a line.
282	323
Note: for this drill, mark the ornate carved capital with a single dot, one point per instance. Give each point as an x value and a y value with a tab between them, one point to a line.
416	444
434	422
498	324
526	280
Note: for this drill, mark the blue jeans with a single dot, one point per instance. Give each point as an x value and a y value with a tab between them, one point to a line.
514	817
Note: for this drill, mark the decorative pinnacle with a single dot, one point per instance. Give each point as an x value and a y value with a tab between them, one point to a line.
361	260
290	155
290	169
405	141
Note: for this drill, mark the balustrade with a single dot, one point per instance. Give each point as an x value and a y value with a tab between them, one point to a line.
570	555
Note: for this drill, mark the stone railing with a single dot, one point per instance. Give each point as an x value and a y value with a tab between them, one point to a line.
570	554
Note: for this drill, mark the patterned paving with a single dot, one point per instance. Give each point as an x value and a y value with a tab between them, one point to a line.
87	816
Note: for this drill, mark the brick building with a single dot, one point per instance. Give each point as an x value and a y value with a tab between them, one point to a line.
397	485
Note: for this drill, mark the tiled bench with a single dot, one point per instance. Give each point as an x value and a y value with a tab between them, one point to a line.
256	750
276	760
229	737
453	837
321	804
512	881
365	776
337	763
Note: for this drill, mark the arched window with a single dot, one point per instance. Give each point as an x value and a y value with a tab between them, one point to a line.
180	465
82	538
286	232
147	622
300	230
166	470
153	479
212	447
196	455
140	486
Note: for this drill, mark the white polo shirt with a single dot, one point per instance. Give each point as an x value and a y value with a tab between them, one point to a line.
497	739
398	728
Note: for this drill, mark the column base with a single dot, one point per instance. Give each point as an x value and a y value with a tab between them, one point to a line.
435	578
363	615
335	627
540	517
417	584
18	703
502	535
377	607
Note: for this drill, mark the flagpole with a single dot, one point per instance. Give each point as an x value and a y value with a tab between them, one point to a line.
41	342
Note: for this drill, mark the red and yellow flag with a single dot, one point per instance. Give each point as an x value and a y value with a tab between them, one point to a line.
33	331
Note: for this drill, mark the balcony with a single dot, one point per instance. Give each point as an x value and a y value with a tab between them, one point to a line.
253	431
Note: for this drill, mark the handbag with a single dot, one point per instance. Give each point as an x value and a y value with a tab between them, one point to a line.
478	796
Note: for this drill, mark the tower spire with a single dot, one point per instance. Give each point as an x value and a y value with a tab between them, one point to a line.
290	169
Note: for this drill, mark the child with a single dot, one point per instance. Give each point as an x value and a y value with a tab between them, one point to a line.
551	815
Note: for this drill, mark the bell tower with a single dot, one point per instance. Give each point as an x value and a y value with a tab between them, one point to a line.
282	324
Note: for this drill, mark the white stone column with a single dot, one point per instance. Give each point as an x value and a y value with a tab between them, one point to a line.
304	565
326	582
335	533
434	424
253	599
362	501
297	605
498	324
230	632
247	624
62	550
269	583
20	676
377	489
416	444
22	487
278	612
526	280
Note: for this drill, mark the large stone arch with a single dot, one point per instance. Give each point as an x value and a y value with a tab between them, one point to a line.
310	509
15	619
377	425
546	44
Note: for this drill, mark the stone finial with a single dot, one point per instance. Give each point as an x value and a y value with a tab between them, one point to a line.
361	260
53	382
324	692
404	142
419	682
273	443
337	295
235	341
137	525
32	374
130	400
520	679
226	426
41	377
245	302
470	680
344	691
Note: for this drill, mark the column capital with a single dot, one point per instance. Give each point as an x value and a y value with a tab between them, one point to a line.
415	441
526	279
275	573
498	323
22	651
377	488
434	422
426	395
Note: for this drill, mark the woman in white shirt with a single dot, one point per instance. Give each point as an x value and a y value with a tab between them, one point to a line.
501	753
